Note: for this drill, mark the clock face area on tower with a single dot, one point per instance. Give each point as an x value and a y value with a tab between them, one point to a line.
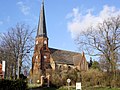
45	42
36	42
46	58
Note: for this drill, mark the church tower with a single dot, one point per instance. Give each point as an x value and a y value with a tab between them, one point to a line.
41	57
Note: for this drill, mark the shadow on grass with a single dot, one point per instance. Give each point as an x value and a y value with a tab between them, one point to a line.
43	88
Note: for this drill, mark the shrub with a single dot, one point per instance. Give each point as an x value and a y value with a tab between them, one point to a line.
92	77
13	85
55	79
60	78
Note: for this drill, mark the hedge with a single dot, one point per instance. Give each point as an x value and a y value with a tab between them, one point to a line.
13	85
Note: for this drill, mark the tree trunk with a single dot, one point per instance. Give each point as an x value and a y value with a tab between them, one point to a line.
15	70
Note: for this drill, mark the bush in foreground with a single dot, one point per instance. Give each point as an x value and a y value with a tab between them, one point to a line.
13	85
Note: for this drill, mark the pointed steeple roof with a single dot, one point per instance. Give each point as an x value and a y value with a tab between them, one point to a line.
42	24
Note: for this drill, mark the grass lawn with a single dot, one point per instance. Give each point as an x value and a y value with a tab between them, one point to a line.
89	88
100	88
33	85
73	88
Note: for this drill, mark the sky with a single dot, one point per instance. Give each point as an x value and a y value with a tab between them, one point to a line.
65	19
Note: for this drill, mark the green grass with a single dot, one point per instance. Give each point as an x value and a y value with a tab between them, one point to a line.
100	88
50	88
33	85
89	88
73	88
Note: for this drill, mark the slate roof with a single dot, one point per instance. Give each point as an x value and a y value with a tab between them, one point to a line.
65	57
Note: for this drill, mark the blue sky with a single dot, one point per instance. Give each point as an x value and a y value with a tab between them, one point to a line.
64	18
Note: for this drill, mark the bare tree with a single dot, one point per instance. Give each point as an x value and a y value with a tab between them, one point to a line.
15	45
104	40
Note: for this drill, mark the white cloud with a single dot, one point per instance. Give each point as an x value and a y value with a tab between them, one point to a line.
23	7
77	21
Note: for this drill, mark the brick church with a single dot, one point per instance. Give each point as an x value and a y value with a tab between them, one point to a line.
46	59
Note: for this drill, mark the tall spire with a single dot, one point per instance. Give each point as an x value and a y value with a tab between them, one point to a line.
42	24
